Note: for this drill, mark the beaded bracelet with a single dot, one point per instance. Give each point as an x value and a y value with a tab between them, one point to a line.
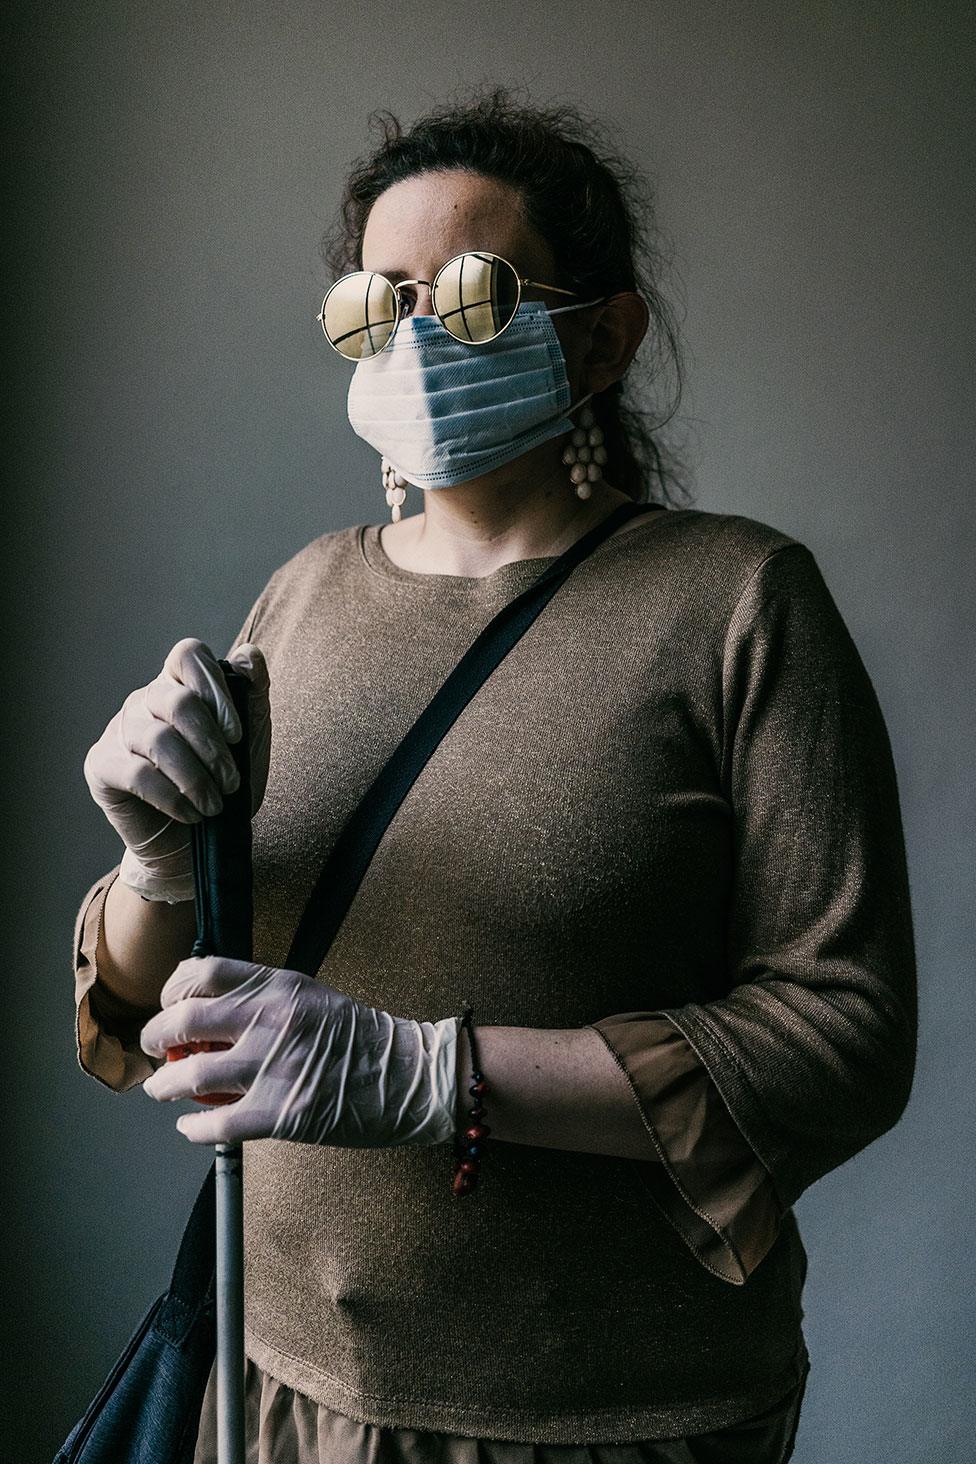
468	1145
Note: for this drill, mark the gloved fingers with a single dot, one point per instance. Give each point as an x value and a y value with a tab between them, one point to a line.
193	664
118	777
231	1123
213	976
140	793
249	658
194	1019
201	1072
180	734
202	784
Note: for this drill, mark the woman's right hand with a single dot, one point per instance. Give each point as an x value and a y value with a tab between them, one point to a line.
163	762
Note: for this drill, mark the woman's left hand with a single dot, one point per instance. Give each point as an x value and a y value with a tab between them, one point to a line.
311	1065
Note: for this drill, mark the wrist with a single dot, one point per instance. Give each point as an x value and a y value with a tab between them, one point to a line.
462	1075
431	1117
173	887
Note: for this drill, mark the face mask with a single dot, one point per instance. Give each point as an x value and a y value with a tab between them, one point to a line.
442	412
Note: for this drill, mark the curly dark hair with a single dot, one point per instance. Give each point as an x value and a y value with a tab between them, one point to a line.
592	206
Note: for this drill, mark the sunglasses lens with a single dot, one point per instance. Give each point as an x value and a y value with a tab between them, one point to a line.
359	313
475	296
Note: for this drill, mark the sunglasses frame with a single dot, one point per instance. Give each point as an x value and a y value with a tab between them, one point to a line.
482	254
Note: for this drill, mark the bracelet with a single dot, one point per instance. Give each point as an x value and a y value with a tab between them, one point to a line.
468	1145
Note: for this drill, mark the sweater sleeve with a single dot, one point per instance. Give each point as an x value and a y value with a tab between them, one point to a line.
106	1027
708	1183
813	1045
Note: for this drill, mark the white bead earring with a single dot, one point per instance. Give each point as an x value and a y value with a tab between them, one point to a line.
585	454
396	489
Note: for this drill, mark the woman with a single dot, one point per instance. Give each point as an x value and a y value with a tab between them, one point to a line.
661	850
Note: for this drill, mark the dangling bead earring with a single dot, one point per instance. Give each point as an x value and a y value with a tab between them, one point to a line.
396	489
585	454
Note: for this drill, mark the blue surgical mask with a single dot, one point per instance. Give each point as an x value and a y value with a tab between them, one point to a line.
443	412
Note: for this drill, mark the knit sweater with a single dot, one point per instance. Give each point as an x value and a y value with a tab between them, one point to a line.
676	798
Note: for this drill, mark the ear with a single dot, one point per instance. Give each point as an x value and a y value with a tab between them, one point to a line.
620	326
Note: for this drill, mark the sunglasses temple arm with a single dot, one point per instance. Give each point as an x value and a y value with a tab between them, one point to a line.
558	288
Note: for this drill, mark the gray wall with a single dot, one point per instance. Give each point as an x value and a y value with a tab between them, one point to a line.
180	430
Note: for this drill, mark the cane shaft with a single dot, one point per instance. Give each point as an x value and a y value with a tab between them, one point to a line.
224	908
230	1304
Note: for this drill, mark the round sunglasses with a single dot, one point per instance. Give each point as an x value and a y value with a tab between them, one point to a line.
474	295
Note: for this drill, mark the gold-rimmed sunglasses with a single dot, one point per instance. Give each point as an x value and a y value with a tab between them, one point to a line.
474	295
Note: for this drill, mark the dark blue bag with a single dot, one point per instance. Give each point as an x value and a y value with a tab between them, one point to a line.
148	1409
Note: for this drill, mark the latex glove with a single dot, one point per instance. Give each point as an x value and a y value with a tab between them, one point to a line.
163	761
313	1065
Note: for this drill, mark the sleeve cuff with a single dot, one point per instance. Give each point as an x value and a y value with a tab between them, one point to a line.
106	1028
710	1185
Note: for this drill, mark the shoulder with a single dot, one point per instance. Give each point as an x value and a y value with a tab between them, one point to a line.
709	561
320	555
736	542
321	558
765	596
302	580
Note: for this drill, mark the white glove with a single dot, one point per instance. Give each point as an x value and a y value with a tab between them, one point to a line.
163	761
314	1066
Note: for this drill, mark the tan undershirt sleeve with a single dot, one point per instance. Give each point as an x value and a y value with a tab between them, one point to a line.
709	1183
107	1028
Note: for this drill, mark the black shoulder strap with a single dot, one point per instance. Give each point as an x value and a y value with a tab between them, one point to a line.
349	858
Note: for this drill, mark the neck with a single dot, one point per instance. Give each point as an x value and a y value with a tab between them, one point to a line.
527	509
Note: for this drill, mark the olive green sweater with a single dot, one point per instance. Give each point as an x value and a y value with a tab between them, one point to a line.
675	796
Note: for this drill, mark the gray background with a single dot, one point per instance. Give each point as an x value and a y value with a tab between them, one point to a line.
179	430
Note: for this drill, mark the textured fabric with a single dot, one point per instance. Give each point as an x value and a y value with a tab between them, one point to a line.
714	1190
663	802
284	1427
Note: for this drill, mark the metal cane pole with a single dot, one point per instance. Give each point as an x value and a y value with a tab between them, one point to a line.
230	1304
224	910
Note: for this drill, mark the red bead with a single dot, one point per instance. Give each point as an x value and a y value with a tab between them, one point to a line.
469	1166
477	1089
187	1049
463	1183
477	1131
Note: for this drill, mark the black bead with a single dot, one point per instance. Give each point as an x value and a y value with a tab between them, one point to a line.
473	1151
476	1077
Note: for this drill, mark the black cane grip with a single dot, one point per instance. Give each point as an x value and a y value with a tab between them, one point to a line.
222	850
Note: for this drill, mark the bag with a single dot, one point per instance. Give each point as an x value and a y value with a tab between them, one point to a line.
148	1409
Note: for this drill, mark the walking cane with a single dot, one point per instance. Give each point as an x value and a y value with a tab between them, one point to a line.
224	913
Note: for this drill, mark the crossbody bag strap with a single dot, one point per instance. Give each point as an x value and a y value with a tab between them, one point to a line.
349	858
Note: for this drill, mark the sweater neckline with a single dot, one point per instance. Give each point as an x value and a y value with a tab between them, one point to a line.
378	562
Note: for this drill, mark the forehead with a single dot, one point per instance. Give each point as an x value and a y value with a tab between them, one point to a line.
418	223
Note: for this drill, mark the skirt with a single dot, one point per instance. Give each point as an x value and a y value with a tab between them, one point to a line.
282	1426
